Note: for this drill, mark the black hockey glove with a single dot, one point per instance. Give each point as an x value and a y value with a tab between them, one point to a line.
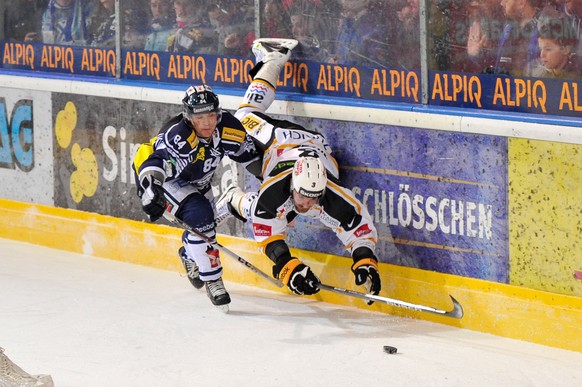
297	276
366	272
152	201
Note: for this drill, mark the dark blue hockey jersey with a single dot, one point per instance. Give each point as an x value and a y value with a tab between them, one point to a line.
178	152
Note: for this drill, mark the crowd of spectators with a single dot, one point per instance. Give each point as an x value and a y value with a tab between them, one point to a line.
538	38
532	38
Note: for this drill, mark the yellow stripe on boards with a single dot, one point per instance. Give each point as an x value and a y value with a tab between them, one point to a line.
505	310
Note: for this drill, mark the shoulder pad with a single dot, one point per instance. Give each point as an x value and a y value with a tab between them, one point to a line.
143	152
181	140
258	128
232	129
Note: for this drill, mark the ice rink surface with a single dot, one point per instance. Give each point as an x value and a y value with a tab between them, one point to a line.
92	322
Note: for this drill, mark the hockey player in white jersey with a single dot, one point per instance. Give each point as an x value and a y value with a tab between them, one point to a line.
299	177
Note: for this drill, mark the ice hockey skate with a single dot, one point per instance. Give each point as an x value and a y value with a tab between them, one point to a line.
268	49
224	205
191	269
218	294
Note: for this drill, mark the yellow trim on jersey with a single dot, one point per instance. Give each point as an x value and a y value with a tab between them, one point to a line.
143	152
339	189
193	140
201	155
233	134
246	105
275	178
266	161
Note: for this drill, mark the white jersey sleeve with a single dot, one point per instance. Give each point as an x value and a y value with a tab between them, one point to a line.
342	212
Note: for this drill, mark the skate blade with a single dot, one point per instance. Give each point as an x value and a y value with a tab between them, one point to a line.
223	308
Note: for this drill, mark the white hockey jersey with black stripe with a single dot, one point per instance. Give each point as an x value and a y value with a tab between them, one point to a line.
283	142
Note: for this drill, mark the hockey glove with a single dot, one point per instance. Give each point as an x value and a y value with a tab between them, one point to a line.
366	272
152	201
297	276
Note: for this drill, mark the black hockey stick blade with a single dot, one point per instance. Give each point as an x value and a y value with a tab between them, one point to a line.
456	312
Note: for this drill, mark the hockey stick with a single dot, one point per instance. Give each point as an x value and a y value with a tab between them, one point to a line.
220	247
457	311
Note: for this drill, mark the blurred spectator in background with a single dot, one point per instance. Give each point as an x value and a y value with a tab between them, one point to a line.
234	23
22	20
103	24
162	24
275	21
389	48
67	22
517	49
557	40
134	24
307	28
195	33
485	26
3	12
357	40
320	19
442	23
408	37
573	9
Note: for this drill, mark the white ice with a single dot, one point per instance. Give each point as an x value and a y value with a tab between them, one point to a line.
97	322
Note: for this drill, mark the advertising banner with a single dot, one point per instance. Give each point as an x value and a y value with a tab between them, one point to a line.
513	94
227	71
26	161
94	142
438	199
463	90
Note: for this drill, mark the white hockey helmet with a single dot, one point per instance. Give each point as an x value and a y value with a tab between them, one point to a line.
309	177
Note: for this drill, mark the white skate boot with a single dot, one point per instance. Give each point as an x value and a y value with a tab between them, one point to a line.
268	49
271	55
227	205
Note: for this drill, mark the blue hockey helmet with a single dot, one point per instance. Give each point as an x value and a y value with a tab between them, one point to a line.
200	100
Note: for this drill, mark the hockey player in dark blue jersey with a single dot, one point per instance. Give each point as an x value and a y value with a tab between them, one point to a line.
174	171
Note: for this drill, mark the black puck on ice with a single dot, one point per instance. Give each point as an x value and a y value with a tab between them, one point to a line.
389	349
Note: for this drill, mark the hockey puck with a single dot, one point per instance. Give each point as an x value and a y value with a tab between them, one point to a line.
389	349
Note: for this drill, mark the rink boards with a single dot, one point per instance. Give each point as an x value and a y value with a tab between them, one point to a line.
505	310
482	209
